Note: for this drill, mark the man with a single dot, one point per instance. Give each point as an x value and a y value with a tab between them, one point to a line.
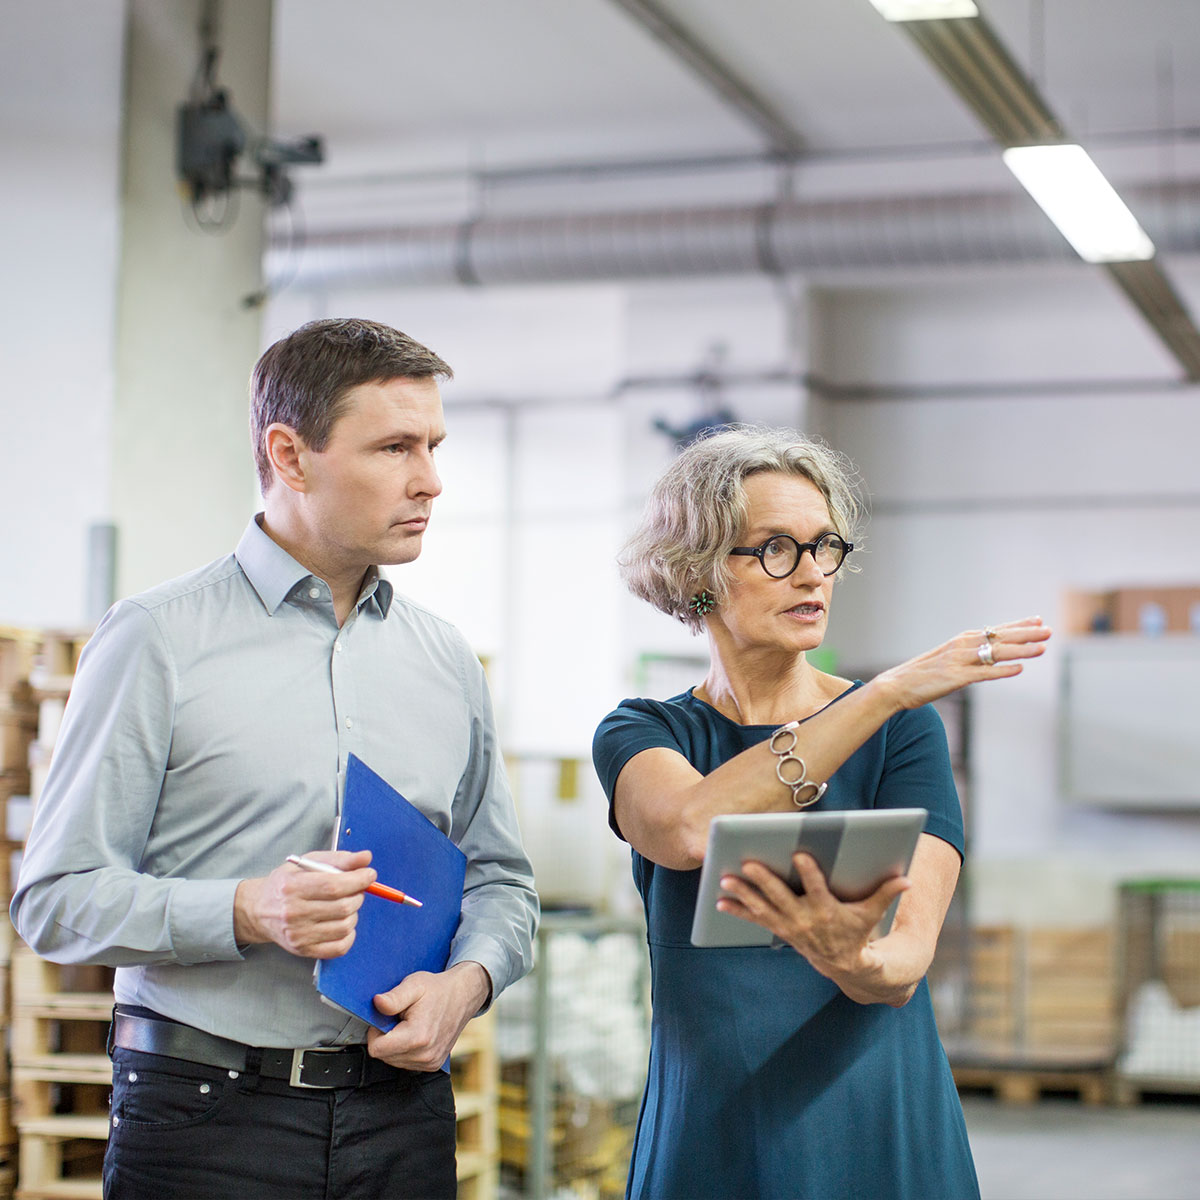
206	739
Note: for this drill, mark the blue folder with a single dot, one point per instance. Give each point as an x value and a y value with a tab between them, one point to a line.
393	940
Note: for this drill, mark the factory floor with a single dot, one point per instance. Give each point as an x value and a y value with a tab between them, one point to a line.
1065	1150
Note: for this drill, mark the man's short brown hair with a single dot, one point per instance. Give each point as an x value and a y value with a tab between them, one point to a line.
303	379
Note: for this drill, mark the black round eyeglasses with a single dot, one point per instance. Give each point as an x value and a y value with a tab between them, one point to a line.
780	554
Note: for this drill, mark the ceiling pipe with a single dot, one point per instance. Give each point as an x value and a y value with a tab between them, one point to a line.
777	238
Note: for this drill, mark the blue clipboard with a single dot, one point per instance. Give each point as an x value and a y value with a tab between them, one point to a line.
393	940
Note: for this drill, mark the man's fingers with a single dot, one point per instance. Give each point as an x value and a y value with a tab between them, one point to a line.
405	994
321	885
326	949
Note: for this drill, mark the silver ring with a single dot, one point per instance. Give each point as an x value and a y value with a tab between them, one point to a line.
985	654
990	634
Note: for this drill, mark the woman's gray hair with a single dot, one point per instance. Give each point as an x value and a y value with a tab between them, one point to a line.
697	511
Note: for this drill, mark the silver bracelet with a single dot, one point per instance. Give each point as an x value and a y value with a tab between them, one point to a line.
799	780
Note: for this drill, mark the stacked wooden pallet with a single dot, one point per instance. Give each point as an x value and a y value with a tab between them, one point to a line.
1041	1014
475	1073
18	729
588	1140
1070	991
44	1100
60	1075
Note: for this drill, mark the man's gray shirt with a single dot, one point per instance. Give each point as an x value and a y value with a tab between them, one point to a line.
206	738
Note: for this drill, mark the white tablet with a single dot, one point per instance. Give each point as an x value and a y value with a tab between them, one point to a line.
857	850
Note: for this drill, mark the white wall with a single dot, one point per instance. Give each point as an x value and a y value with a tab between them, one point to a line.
59	221
1030	450
1011	468
990	507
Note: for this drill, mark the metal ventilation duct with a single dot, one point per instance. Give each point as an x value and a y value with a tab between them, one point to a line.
915	231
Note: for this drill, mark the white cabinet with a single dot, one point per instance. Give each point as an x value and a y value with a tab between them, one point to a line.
1130	721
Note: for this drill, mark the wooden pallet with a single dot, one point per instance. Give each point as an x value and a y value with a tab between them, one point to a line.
58	1060
1023	1079
1131	1089
474	1070
58	1038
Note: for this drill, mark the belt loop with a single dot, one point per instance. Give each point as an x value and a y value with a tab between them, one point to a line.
254	1056
112	1032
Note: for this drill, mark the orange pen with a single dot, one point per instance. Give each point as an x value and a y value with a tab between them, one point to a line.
376	889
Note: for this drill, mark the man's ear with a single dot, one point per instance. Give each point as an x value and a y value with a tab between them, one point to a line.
285	452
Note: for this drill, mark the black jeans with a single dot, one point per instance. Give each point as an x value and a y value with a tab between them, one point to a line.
186	1131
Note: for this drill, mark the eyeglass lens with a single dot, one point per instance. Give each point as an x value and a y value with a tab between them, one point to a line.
781	555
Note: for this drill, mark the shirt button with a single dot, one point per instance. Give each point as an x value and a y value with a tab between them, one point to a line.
314	592
338	647
349	723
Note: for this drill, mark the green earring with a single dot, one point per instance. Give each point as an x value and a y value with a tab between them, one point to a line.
702	603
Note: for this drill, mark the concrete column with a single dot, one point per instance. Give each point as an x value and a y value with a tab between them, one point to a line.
182	475
806	349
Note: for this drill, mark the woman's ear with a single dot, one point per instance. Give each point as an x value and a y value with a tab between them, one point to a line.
285	452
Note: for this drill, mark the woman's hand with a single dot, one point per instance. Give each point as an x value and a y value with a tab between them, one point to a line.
832	934
956	663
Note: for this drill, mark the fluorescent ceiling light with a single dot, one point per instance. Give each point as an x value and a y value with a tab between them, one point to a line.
925	10
1081	202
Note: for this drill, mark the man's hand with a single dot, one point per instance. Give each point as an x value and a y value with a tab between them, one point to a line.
433	1009
309	913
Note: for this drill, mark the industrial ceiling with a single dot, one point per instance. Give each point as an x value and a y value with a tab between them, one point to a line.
474	141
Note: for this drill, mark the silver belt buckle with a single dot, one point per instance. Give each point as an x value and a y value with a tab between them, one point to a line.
298	1064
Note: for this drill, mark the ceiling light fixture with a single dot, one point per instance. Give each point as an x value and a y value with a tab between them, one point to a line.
974	62
1074	194
925	10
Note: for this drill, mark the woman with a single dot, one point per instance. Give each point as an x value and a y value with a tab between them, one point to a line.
814	1071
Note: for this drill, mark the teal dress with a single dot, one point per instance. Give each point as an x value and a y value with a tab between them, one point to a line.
765	1081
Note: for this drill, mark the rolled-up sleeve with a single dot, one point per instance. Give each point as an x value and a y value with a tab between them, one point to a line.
500	905
81	896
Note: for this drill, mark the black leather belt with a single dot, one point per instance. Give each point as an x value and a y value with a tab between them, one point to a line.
308	1067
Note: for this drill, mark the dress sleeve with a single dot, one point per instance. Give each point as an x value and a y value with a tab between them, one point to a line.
917	773
634	726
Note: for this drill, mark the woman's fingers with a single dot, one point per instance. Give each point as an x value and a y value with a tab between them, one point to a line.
974	656
1006	645
1016	633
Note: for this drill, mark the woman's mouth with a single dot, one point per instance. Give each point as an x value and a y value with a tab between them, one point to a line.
808	611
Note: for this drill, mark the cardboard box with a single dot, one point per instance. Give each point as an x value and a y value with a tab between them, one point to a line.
1087	612
1144	610
1156	610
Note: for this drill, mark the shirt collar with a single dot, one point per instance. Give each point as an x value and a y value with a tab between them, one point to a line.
376	588
274	573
